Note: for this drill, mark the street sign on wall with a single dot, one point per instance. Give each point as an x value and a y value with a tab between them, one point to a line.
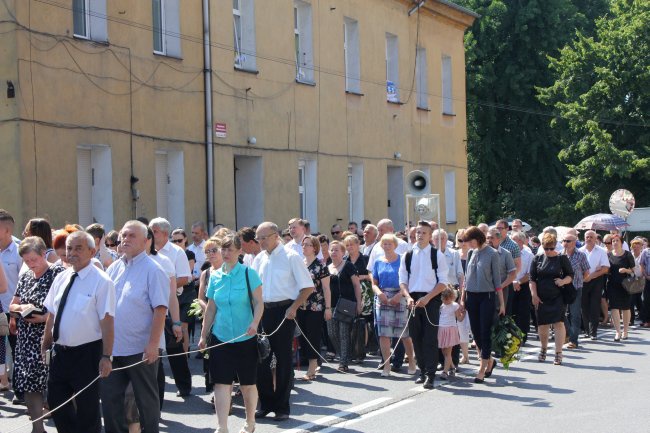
220	130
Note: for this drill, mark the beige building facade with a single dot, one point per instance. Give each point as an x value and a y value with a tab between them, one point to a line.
319	109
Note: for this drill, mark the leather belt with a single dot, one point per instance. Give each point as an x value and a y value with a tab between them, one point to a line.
277	304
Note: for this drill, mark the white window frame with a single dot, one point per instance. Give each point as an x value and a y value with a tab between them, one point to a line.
356	203
421	80
303	31
101	188
170	28
392	68
447	86
174	201
302	196
450	197
95	20
244	48
352	55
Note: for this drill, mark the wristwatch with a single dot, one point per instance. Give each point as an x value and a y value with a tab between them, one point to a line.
177	323
109	357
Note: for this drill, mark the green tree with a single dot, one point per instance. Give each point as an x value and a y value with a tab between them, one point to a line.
512	151
602	94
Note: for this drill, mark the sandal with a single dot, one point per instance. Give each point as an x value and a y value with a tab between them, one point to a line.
542	355
308	377
558	359
488	373
246	429
344	368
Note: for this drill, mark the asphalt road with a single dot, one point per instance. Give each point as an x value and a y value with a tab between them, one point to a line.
599	388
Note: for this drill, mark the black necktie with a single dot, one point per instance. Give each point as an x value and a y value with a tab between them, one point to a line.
64	298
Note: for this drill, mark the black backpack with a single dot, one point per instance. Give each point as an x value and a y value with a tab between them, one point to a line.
434	262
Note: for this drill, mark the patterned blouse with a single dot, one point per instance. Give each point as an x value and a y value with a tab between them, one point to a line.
316	301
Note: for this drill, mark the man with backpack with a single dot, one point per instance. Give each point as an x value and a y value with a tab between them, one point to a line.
423	275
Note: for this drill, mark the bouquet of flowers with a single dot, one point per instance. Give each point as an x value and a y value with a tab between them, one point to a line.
195	310
506	340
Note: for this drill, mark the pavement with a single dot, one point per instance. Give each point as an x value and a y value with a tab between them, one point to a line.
599	388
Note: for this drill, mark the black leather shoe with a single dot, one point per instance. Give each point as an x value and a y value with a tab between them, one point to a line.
478	380
395	369
428	384
281	417
420	379
260	413
489	372
182	393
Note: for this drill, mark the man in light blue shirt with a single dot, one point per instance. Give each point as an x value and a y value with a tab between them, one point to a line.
142	297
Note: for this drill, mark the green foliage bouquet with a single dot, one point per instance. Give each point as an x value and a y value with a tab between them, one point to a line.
506	340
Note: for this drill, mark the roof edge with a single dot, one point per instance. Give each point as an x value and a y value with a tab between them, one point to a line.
458	8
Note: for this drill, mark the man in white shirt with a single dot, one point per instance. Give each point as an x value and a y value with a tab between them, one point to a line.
383	227
286	285
593	285
249	246
197	246
81	306
298	232
521	296
11	263
370	234
180	369
142	297
421	284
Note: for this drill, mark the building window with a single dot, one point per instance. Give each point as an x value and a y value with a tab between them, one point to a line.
89	19
166	27
303	34
447	95
450	196
352	61
392	68
243	14
95	185
355	192
307	191
421	78
170	187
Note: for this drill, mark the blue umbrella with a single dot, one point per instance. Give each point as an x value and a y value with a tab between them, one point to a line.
602	221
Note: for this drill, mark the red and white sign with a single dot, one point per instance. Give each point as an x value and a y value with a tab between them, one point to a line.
220	130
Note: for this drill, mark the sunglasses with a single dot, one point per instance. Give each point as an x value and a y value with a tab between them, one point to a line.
549	249
178	241
335	233
112	245
567	241
608	243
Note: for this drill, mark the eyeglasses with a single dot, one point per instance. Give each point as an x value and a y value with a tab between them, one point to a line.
112	245
263	238
567	241
212	251
549	248
178	241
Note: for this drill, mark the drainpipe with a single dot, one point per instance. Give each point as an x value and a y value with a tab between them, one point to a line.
207	78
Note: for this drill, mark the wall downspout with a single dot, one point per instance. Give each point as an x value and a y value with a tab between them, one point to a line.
207	78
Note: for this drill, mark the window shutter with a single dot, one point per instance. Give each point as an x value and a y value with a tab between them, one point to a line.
248	34
84	187
450	196
98	22
162	184
172	28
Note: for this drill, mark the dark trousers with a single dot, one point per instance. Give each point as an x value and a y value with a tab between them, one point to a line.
311	323
591	294
645	312
180	369
160	379
521	302
397	360
480	307
508	300
636	301
276	400
425	335
71	369
145	388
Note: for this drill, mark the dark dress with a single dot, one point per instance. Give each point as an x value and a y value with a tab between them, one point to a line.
367	295
618	297
543	271
30	373
310	316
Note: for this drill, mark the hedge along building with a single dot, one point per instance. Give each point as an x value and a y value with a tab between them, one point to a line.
318	109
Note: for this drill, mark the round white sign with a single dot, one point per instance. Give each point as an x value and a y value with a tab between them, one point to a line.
621	203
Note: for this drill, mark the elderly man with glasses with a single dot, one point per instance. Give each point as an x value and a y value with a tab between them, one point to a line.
580	266
593	283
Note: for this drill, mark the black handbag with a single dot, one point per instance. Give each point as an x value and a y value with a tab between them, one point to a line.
633	284
263	344
345	310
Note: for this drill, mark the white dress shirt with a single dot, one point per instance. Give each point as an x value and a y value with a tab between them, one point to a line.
90	299
378	253
423	276
526	260
455	265
199	255
283	274
11	263
367	249
597	258
297	248
177	256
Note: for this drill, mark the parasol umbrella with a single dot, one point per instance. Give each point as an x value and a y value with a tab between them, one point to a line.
601	221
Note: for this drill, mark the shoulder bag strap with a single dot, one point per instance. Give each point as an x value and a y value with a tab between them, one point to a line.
250	294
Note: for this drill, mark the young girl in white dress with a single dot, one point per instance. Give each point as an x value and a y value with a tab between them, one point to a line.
448	335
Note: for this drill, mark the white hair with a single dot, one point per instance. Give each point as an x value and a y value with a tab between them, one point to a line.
161	224
386	222
137	224
90	241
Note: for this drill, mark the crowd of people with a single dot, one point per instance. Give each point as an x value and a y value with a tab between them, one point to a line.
90	313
